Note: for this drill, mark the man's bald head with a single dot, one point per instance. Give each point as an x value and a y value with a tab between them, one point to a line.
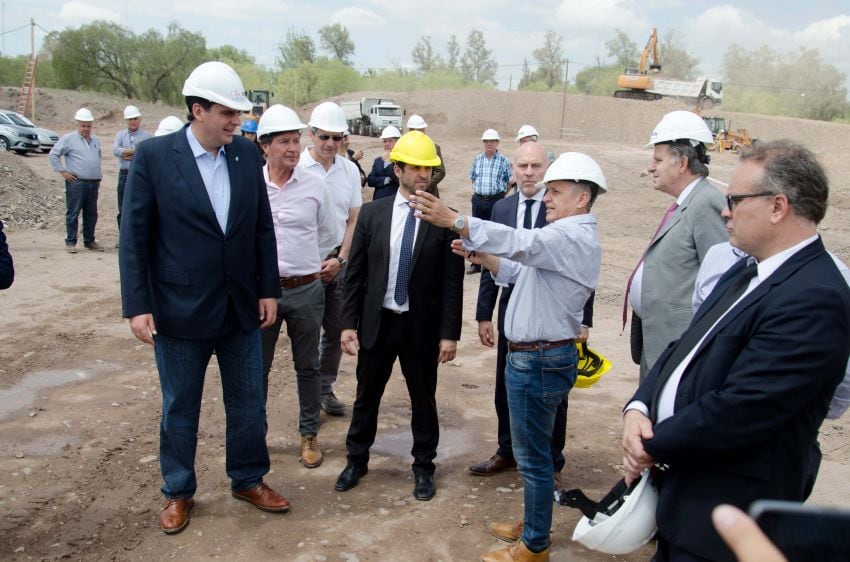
529	166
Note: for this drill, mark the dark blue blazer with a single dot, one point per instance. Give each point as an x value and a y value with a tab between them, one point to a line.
377	177
175	260
7	269
505	212
749	404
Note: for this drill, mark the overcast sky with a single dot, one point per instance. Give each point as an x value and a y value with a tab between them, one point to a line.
385	31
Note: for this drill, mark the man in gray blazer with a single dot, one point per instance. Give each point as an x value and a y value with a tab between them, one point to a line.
661	286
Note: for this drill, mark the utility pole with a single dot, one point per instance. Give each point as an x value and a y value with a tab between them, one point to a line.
510	82
32	50
564	106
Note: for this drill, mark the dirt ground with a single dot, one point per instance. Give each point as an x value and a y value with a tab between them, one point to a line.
80	400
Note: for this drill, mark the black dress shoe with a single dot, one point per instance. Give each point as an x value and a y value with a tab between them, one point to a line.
349	477
425	487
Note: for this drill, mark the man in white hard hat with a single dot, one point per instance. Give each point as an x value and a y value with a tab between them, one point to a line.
305	228
81	171
660	287
490	174
168	125
327	125
526	134
555	270
417	123
199	276
124	147
732	408
382	177
524	209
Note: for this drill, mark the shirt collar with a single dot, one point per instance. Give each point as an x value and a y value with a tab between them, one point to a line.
687	191
774	262
195	145
400	200
538	195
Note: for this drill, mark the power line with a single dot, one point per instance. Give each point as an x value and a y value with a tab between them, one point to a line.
16	29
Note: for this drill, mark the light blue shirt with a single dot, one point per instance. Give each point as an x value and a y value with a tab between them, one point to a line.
555	269
214	173
124	140
82	157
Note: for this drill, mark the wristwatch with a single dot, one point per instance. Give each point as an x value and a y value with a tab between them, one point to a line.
459	223
342	262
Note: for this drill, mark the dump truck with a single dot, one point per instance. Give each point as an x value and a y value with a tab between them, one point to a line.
369	116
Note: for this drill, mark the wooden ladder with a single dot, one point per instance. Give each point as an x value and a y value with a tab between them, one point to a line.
26	88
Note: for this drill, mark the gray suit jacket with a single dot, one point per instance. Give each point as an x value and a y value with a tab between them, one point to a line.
670	269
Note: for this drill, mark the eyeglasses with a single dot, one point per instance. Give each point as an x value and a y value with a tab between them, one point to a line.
731	200
336	138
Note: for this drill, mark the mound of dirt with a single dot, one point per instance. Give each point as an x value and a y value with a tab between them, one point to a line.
26	198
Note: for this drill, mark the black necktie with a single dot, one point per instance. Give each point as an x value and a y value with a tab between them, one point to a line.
526	221
698	329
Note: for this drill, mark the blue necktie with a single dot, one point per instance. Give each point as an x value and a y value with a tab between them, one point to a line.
405	260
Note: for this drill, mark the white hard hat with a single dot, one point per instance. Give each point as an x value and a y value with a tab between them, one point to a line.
329	117
575	166
277	119
526	131
391	132
625	525
217	82
131	112
490	134
83	114
680	125
168	125
416	122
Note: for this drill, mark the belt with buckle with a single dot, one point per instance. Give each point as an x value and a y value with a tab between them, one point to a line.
492	197
293	282
537	345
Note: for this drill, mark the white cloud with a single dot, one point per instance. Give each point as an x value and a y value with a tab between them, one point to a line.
354	18
76	11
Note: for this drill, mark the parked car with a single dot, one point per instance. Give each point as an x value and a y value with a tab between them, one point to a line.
46	137
17	138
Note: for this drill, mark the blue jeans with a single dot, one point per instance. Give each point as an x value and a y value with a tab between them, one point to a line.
182	364
80	195
537	381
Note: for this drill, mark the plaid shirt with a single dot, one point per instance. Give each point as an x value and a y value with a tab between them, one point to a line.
490	175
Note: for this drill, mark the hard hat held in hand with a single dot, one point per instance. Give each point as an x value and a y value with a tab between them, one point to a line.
415	148
526	131
329	117
623	521
168	125
83	114
416	122
131	112
575	166
279	119
490	134
217	82
680	125
590	366
391	132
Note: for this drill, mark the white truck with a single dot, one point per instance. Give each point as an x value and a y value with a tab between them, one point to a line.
705	92
369	116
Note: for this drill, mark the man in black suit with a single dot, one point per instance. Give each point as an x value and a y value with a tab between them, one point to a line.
7	268
732	409
199	276
522	209
403	299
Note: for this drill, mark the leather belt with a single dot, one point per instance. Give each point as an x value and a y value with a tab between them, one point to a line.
293	282
537	345
491	197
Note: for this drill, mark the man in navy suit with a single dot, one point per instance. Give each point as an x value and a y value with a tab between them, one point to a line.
732	409
522	209
199	276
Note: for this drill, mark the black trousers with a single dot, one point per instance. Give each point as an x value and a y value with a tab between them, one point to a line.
374	367
503	417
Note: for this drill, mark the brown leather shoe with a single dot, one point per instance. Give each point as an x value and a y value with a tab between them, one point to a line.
311	454
517	552
493	465
262	497
508	532
174	516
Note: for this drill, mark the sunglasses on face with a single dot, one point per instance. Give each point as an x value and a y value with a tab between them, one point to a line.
732	200
336	138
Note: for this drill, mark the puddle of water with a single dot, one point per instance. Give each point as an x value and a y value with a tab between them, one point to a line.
21	395
453	443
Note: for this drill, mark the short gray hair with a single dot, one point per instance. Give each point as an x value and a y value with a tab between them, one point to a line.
697	158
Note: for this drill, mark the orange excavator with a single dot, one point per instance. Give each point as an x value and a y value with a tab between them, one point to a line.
637	81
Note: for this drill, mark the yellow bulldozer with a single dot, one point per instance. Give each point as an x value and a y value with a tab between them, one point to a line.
724	139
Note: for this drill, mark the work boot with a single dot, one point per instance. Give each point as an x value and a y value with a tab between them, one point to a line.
508	532
517	552
332	405
311	455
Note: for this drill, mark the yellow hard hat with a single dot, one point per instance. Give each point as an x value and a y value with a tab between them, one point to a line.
591	366
415	148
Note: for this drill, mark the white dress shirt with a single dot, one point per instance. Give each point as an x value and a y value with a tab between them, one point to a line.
400	211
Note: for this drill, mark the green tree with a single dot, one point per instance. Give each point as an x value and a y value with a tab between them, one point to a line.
230	54
676	61
296	49
336	40
453	50
550	65
163	62
477	64
600	80
424	56
623	49
315	81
